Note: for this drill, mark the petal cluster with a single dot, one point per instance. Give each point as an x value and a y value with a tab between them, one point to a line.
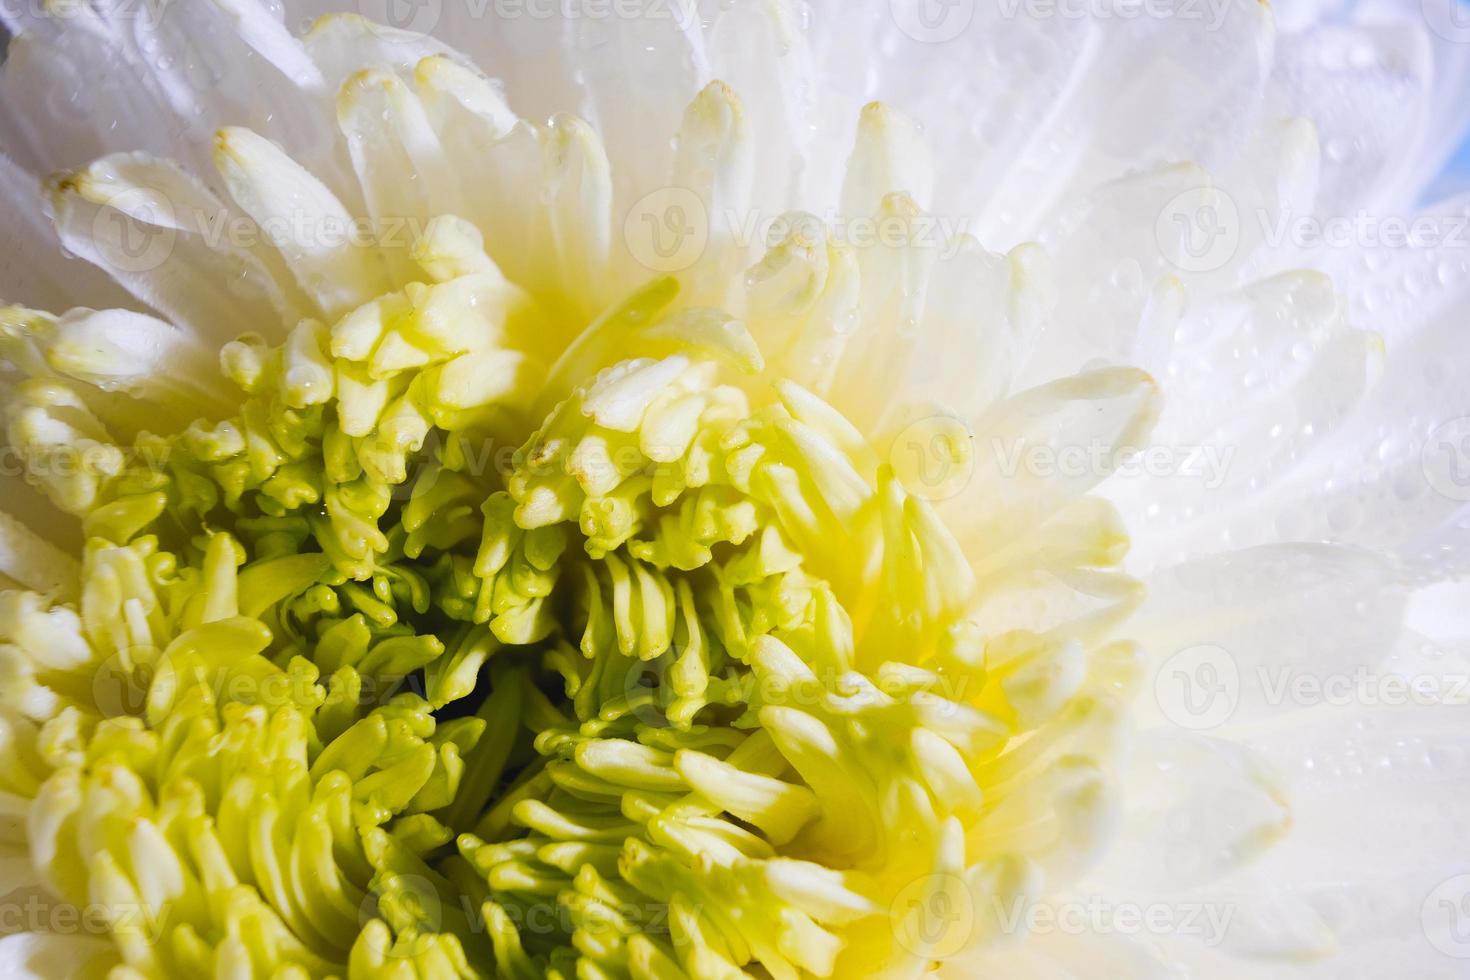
447	636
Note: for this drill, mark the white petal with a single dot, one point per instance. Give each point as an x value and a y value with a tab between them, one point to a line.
1395	476
579	189
315	234
1368	89
344	44
34	271
1059	952
894	272
254	24
977	312
712	160
232	62
1231	637
890	155
1062	818
1195	809
635	74
1074	100
70	94
401	166
494	157
147	358
1226	458
758	49
1035	451
42	956
33	562
167	240
444	83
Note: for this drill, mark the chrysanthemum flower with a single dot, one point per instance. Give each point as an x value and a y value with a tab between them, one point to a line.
735	531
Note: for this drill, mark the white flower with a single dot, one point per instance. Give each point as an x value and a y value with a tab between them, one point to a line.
1010	529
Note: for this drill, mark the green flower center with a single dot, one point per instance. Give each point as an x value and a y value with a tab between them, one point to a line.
681	685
